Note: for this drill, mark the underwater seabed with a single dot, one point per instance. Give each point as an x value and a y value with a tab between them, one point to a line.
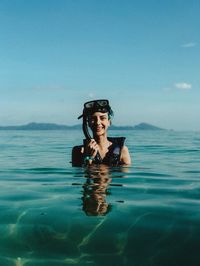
131	217
99	242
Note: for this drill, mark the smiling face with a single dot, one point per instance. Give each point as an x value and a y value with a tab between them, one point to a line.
99	123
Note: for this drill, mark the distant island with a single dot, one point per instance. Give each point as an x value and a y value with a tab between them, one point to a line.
141	126
52	126
145	126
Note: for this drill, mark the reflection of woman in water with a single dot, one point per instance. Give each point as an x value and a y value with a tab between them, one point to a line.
95	191
100	149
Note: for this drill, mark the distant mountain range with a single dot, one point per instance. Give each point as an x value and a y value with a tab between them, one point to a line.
51	126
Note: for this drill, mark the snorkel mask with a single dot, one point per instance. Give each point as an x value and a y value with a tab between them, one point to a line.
92	107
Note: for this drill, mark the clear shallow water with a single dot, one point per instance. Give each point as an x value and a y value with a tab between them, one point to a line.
53	214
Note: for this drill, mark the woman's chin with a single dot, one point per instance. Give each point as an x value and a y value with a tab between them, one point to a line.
99	133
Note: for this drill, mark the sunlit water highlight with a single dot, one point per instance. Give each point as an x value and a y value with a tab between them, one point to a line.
53	214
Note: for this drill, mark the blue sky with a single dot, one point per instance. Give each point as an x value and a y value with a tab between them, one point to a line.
142	55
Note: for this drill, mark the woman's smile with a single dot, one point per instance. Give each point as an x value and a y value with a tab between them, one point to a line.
98	128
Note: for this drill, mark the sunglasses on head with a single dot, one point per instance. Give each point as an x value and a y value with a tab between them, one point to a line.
96	104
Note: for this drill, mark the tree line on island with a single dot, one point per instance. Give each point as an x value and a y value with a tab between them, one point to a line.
52	126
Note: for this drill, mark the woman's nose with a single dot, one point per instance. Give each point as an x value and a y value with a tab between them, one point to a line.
98	121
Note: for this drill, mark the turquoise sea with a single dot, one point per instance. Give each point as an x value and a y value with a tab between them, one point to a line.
54	215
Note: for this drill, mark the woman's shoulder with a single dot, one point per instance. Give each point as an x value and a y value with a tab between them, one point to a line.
117	141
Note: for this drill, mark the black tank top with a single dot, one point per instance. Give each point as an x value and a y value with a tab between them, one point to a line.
114	152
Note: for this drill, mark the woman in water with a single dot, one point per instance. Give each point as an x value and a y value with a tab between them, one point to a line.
100	149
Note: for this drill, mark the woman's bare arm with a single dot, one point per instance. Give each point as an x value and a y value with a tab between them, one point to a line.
125	156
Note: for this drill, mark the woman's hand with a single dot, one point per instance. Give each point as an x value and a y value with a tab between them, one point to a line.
92	148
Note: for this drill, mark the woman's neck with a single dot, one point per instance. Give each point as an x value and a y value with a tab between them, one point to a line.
102	141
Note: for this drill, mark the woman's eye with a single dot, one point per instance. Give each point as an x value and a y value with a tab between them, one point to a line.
93	120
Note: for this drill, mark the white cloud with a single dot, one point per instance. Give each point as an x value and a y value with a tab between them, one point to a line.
183	86
189	45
